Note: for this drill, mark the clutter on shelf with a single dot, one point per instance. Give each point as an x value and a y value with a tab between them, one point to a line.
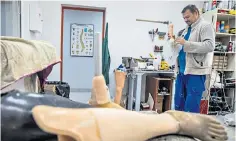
225	48
223	27
222	5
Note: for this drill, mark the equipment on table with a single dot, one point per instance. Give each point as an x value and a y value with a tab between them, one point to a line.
164	64
129	62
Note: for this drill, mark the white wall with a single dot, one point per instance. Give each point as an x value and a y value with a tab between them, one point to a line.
127	37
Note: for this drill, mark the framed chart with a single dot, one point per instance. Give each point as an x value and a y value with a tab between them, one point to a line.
81	40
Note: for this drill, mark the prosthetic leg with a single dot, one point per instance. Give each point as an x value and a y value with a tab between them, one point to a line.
106	124
120	82
100	96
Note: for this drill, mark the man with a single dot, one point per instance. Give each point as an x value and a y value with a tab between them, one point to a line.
194	60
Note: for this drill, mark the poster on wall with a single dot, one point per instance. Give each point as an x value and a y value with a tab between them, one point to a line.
82	40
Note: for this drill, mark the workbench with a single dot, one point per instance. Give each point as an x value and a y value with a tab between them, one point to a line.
137	79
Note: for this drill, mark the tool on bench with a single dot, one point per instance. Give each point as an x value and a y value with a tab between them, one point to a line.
164	64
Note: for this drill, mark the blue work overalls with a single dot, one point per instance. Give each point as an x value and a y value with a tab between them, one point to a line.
188	88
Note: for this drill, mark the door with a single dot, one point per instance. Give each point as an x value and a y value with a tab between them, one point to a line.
78	71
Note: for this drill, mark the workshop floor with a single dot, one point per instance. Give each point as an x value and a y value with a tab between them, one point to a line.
230	130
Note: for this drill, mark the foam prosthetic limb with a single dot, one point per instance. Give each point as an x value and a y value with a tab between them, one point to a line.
17	123
120	82
100	96
104	124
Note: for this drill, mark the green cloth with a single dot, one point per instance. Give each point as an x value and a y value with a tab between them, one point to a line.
106	60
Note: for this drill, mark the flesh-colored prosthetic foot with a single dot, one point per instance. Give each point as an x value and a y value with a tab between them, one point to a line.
200	126
102	124
120	82
100	96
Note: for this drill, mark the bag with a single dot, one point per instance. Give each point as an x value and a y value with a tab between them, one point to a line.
174	52
57	87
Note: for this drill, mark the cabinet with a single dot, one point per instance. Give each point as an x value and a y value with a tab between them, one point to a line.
35	18
221	83
161	91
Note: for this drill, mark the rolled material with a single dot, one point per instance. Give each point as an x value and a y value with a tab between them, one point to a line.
98	54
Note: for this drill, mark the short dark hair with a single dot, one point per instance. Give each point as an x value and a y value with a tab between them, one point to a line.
192	9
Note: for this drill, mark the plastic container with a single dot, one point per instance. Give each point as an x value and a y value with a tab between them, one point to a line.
227	28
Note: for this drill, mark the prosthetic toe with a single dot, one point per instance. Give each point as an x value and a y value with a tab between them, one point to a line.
199	126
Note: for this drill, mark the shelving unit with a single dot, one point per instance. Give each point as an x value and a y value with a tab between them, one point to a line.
162	102
221	100
219	35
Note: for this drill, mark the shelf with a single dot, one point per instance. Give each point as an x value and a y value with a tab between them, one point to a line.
224	52
224	17
223	35
226	70
222	88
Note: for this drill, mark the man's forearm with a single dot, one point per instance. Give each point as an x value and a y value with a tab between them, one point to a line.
199	47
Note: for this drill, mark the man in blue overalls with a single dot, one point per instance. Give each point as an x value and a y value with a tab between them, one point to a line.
194	60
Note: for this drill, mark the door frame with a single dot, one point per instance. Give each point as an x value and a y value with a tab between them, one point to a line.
80	8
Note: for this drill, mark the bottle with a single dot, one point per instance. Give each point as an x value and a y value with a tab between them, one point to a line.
222	25
230	47
213	4
156	64
217	26
227	28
